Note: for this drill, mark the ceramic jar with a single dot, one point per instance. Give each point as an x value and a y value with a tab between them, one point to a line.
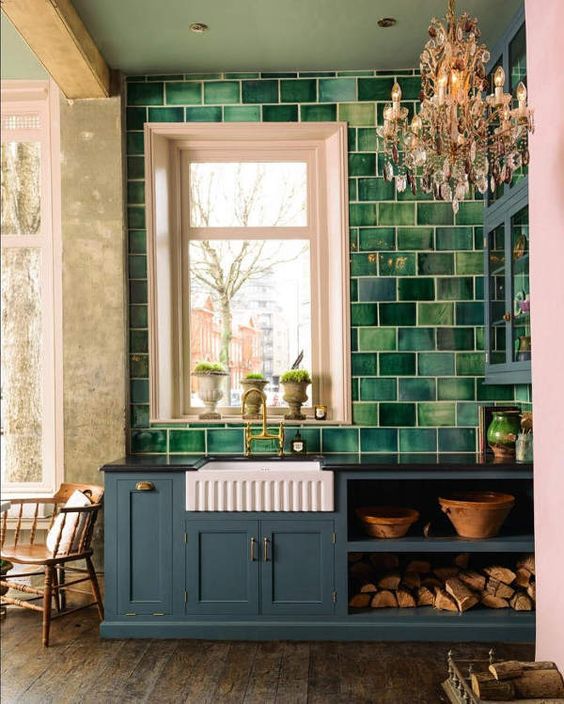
502	433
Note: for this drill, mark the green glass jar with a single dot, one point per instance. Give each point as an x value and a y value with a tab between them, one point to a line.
502	433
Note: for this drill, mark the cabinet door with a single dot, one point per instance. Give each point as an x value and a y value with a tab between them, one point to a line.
144	551
222	566
297	567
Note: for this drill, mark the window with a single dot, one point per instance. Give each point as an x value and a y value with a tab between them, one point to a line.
30	411
247	236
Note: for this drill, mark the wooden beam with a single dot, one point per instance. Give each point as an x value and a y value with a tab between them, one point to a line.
59	39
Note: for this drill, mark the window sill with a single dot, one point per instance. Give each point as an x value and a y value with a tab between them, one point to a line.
239	421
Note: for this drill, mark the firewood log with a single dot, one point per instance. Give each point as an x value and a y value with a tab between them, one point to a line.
539	684
384	599
523	577
420	566
528	562
485	686
405	599
368	587
362	571
462	560
465	599
510	669
384	561
444	601
411	580
494	602
355	556
473	580
521	602
532	591
360	601
425	597
444	573
391	580
431	582
502	574
497	588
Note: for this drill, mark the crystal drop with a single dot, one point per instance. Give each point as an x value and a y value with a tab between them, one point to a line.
401	183
482	184
485	56
446	192
492	184
455	206
473	152
388	171
460	190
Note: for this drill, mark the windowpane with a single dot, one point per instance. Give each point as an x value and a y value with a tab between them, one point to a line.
21	365
250	308
248	194
21	179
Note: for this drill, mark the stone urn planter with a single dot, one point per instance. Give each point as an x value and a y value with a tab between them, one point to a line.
210	379
253	401
295	383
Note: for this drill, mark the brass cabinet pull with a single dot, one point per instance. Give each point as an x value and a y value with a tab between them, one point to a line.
144	486
265	544
253	549
507	317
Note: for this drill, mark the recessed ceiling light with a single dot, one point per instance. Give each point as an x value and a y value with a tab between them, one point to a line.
387	22
198	27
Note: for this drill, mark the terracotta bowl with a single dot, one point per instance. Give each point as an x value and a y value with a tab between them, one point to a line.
387	521
477	514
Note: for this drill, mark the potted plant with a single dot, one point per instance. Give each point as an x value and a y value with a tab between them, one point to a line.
5	567
295	383
210	377
253	380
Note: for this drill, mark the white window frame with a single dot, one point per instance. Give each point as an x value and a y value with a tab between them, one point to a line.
42	98
324	146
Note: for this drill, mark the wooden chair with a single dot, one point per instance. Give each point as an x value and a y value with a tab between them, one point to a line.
54	563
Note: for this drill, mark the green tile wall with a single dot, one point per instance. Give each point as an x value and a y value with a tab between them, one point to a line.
416	273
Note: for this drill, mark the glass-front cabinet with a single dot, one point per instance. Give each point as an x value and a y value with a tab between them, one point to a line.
506	244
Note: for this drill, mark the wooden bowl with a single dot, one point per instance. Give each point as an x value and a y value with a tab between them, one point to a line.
477	514
387	521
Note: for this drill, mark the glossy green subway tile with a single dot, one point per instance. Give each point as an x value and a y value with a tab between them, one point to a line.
135	192
355	389
417	440
353	195
354	339
434	214
376	339
137	241
435	363
523	392
435	263
367	139
139	390
138	363
415	238
453	389
260	91
166	77
136	79
480	338
397	414
353	239
136	217
135	118
357	114
363	213
364	264
417	389
479	288
138	317
375	88
355	73
435	313
311	437
436	413
398	313
410	87
185	93
299	91
337	90
378	440
145	93
148	441
378	389
466	414
280	113
470	213
135	143
455	288
469	313
364	314
205	114
222	92
135	167
396	214
470	363
351	139
362	164
138	292
493	392
187	441
375	188
417	289
203	76
396	264
317	74
166	114
339	440
457	440
376	289
469	262
318	113
416	339
279	74
364	364
397	363
455	338
376	238
241	113
220	440
139	416
137	264
238	74
365	413
455	238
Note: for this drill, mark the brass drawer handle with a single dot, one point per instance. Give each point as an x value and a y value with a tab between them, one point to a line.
253	549
265	544
507	317
144	486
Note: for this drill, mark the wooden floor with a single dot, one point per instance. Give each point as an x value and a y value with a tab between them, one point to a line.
82	669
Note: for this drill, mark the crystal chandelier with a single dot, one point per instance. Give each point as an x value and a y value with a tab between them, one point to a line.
460	138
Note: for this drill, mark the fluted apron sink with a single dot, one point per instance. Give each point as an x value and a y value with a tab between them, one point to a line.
260	485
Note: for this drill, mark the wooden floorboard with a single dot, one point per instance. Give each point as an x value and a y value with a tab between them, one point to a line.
79	667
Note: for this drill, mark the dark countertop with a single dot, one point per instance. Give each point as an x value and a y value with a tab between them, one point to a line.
368	462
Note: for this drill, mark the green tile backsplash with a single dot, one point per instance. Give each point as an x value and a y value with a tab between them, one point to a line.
416	271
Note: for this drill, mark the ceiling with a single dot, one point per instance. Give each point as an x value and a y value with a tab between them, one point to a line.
138	36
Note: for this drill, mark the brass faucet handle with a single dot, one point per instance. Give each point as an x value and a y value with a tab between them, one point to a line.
281	435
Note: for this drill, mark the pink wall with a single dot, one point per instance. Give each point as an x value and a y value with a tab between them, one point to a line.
545	66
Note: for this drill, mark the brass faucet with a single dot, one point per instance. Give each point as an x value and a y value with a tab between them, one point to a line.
263	434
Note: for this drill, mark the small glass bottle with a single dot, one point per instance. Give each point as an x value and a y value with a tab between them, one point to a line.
298	444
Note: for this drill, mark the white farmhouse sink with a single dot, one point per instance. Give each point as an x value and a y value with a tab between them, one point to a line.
260	485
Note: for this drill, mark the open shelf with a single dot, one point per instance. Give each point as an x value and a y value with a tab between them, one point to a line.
422	614
418	543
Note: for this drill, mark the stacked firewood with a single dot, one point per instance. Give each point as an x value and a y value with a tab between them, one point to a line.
513	681
378	582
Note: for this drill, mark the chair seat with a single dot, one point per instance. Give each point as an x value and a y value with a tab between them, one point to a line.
37	555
